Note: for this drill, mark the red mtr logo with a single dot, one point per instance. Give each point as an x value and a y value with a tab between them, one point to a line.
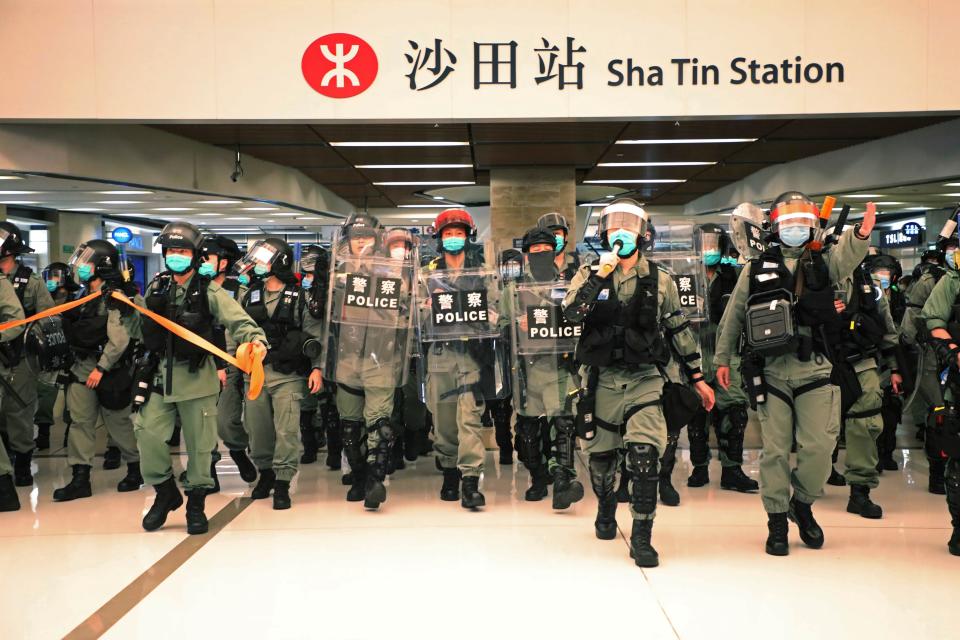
339	65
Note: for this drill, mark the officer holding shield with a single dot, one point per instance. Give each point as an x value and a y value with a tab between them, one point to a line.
629	308
546	380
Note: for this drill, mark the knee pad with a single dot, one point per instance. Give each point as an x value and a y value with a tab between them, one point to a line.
738	419
642	460
563	444
603	469
353	433
528	440
385	429
952	481
500	411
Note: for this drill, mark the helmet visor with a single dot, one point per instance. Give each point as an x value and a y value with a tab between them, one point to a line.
260	253
82	255
623	216
308	262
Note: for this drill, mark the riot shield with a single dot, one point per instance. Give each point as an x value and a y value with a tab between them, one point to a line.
544	370
746	230
676	251
370	301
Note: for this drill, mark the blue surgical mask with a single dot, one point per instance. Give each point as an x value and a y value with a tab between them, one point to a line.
261	270
951	259
560	242
730	260
243	279
453	245
795	236
206	269
884	283
627	239
85	272
711	258
52	285
307	281
176	263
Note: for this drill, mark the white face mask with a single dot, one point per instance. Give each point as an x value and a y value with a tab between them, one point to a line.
398	253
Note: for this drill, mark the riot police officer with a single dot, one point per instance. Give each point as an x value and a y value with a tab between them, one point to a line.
786	368
462	356
10	309
941	315
629	308
101	335
730	414
547	383
568	262
927	393
278	306
500	410
58	277
33	295
180	379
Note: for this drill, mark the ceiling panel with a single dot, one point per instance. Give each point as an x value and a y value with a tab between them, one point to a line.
395	175
774	151
576	154
626	173
727	171
316	155
487	133
406	155
862	128
345	175
233	134
747	128
671	152
392	132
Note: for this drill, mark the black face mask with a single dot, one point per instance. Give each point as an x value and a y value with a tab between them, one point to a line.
542	267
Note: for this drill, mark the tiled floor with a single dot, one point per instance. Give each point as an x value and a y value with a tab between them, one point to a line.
421	567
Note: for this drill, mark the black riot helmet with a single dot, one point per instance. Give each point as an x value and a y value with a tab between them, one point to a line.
932	256
361	224
537	235
11	240
222	247
314	261
181	235
269	257
714	243
96	259
511	261
554	222
62	274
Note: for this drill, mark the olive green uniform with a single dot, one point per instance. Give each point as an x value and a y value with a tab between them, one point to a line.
814	413
85	408
193	396
230	425
273	418
863	422
621	390
17	420
10	309
928	394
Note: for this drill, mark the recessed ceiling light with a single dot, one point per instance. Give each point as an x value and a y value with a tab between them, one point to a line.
314	218
437	197
240	230
725	215
286	214
414	166
172	209
424	206
123	193
10	178
654	164
239	219
888	204
426	183
17	193
686	141
84	210
207	215
863	195
298	233
414	219
946	184
218	201
426	143
650	181
594	204
258	208
919	208
947	195
118	202
19	202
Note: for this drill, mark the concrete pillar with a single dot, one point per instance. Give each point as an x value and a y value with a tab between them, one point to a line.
69	231
520	195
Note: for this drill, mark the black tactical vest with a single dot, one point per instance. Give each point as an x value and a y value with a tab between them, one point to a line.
625	334
720	291
863	325
284	328
193	314
86	329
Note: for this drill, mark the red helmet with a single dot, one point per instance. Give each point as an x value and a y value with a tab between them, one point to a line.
455	216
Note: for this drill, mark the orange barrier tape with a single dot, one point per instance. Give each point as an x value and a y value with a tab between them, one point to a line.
249	359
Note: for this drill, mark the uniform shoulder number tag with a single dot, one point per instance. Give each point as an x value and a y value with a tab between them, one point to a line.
255	296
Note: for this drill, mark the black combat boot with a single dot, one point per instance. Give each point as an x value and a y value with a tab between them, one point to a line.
133	480
953	503
642	552
334	446
267	481
538	484
396	456
566	488
734	479
248	472
196	518
668	494
308	435
23	477
603	477
802	515
374	493
623	488
214	459
777	527
42	441
700	477
836	478
504	442
411	444
470	492
281	495
358	490
861	504
112	458
936	486
9	500
168	499
450	491
78	487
